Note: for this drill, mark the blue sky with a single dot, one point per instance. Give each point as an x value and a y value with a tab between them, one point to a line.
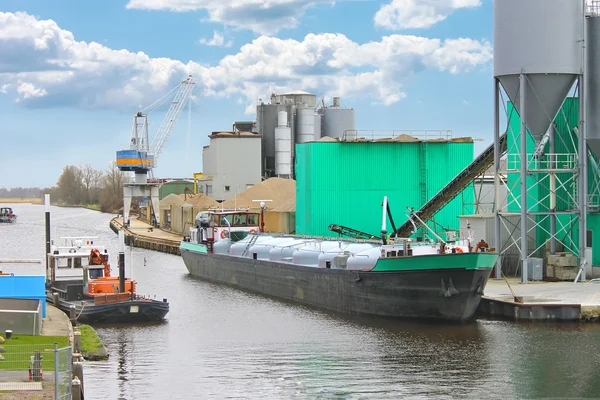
73	73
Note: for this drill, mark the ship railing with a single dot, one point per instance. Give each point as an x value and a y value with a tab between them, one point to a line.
421	135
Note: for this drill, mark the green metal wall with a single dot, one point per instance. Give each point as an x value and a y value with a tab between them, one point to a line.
344	183
174	187
565	142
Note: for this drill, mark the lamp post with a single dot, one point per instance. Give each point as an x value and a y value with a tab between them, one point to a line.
263	208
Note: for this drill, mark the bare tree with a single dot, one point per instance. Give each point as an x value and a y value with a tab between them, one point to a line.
70	188
111	198
91	179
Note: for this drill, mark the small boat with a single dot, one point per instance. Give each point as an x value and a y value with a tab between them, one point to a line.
80	283
7	215
399	278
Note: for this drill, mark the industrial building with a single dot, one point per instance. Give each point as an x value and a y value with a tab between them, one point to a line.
332	188
297	117
231	163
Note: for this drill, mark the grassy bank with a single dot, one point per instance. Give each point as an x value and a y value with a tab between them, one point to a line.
15	200
92	347
94	207
19	348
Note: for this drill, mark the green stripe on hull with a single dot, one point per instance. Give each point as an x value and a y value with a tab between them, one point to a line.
198	248
467	261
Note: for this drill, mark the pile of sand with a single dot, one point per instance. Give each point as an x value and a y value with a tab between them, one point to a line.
406	138
462	140
202	201
170	200
281	191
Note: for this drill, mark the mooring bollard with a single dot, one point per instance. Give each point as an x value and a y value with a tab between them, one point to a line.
76	389
55	298
77	341
78	373
72	314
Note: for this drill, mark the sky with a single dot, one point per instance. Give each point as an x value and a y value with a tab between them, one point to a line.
73	73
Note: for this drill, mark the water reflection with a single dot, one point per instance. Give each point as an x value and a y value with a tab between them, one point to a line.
222	342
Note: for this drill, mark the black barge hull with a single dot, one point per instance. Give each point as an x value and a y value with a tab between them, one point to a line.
445	294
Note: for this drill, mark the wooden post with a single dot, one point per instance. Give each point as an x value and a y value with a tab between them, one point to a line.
77	341
76	392
55	298
72	313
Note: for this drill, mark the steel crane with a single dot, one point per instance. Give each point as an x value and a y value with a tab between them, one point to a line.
142	157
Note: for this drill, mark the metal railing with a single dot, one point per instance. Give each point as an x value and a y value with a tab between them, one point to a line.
43	369
592	8
422	135
553	162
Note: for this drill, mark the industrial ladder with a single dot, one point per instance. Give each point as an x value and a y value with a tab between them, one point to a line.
251	242
456	185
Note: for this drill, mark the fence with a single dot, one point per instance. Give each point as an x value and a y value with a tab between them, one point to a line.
43	369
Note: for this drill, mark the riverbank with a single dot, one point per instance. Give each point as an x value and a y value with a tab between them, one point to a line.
15	200
143	235
92	348
93	207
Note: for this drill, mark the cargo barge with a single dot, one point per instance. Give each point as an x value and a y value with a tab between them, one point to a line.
400	278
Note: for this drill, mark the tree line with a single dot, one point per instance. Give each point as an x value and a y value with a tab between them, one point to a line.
85	185
80	186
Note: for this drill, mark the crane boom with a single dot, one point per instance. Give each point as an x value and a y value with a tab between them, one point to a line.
181	97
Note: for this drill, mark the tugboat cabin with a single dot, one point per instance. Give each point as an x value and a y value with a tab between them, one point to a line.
212	226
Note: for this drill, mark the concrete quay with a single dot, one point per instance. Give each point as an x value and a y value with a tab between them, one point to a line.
541	301
143	235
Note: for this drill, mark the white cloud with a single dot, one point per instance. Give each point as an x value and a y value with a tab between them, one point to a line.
44	66
405	14
262	16
29	90
4	89
217	40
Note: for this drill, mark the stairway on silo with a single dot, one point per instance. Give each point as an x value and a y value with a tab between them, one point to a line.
484	161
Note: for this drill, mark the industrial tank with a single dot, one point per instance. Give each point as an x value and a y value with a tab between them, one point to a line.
266	121
283	147
592	83
305	126
543	39
238	248
222	246
337	120
318	126
285	251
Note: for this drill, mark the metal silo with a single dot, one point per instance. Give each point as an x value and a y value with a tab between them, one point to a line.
266	121
283	146
592	79
317	126
541	39
305	127
538	54
339	122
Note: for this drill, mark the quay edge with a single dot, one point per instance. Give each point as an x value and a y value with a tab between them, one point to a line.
148	241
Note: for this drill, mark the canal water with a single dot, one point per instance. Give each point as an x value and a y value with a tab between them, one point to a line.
219	342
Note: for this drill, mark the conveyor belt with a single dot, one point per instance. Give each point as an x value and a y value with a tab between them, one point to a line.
484	161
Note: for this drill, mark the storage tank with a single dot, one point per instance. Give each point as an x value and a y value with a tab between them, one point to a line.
542	39
266	122
222	246
285	251
318	126
283	147
305	126
238	248
592	83
337	120
308	254
364	260
264	248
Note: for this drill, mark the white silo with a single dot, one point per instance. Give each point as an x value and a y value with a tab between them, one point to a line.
305	124
339	122
283	146
592	78
538	49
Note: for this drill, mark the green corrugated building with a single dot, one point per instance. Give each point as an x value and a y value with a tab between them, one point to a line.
175	187
344	183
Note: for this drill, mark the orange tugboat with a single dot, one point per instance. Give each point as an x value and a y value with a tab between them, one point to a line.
79	282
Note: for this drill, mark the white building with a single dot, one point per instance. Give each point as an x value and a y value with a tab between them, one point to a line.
231	163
